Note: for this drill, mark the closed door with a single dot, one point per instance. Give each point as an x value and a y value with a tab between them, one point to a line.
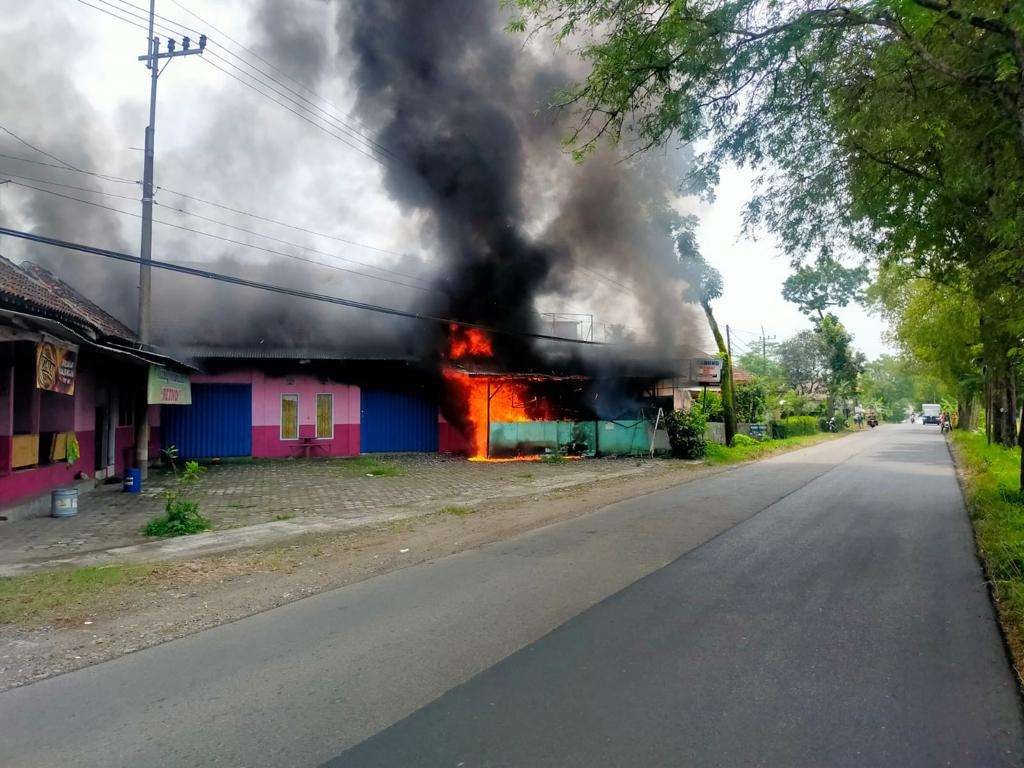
218	423
392	421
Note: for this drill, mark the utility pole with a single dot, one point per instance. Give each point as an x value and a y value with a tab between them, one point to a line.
152	59
764	349
2	182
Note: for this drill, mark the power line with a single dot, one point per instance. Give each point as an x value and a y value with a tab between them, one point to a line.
336	122
344	139
298	245
229	208
18	138
295	292
227	239
290	226
253	53
118	179
67	186
93	191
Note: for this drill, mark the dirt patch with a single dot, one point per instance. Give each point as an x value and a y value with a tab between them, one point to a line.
174	600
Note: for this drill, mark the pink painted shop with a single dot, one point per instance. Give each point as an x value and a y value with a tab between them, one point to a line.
71	378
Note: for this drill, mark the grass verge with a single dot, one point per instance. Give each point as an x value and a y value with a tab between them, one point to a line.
719	454
64	597
368	465
990	475
456	510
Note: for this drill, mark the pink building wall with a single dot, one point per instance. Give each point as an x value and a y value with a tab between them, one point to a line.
78	412
266	412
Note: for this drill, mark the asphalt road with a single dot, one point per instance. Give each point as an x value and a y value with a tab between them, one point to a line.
822	608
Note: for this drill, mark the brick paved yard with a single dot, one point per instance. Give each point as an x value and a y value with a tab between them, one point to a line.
252	492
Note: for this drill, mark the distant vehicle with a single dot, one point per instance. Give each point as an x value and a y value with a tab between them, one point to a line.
930	413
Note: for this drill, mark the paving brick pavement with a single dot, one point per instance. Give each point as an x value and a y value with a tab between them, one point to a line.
253	492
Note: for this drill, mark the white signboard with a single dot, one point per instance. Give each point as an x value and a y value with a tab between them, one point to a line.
707	370
167	387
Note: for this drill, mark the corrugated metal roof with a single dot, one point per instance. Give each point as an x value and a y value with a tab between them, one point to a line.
32	289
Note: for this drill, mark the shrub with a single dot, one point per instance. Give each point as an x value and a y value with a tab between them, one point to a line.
181	512
711	405
741	439
791	426
751	400
686	433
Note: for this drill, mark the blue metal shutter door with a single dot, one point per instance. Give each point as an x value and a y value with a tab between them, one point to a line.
396	421
216	425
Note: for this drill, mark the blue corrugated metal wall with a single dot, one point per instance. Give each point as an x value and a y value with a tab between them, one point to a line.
396	421
217	424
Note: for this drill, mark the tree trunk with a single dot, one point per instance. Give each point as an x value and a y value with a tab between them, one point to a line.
1020	443
967	412
1002	409
728	405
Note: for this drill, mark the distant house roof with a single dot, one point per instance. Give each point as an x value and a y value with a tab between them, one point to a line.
33	290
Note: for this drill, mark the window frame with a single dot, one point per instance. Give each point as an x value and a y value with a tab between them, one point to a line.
280	417
316	420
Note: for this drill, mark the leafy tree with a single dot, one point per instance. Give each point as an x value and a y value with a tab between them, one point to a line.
802	359
937	328
827	284
843	363
893	128
889	385
765	366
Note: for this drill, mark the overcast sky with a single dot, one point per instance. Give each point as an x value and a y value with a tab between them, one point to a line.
70	84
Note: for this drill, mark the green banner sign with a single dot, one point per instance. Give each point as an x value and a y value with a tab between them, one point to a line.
167	387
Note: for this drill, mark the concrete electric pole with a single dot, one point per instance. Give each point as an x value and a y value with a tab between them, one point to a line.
152	59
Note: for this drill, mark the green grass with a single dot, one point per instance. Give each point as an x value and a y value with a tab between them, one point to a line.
66	596
368	465
991	476
456	510
719	454
553	458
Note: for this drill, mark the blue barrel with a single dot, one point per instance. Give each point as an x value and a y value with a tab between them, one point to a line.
64	502
132	481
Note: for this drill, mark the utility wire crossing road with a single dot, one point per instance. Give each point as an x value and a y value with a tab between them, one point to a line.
821	608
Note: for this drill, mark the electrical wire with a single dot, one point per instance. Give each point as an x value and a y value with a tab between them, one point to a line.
295	292
333	123
117	179
255	55
18	138
215	204
226	239
336	117
90	190
295	112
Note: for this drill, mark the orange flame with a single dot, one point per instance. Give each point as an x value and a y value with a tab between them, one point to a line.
468	342
487	399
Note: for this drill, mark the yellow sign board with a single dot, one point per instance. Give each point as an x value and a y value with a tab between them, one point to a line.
55	366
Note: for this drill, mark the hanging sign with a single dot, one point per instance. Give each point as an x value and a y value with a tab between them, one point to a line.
707	370
55	366
167	387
